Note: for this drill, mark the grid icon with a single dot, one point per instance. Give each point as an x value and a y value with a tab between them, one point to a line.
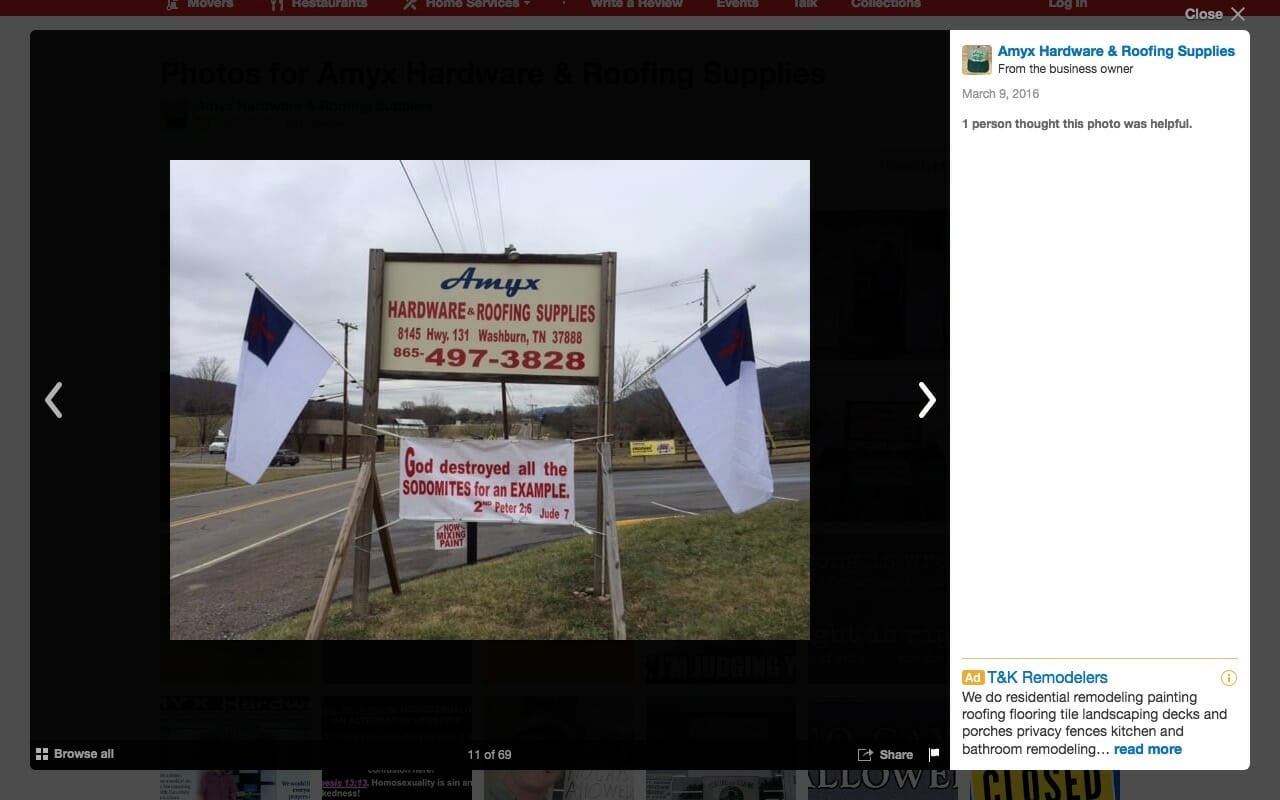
42	754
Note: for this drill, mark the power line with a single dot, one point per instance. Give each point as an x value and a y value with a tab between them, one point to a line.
448	204
680	282
475	202
421	206
502	220
453	206
680	305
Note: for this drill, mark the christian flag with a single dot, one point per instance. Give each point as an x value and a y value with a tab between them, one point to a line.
711	385
280	366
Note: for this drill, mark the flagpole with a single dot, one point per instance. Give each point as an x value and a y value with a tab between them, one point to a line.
303	328
699	331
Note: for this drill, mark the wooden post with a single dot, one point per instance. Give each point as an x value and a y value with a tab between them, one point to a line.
339	556
372	362
384	534
608	271
473	546
610	531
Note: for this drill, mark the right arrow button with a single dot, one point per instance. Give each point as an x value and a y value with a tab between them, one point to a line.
931	401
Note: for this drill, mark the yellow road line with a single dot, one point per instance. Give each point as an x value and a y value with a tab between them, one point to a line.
622	523
256	503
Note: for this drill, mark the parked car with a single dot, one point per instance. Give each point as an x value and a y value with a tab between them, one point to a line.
218	445
285	457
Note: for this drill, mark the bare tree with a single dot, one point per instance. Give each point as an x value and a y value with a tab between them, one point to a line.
626	366
433	410
208	406
625	370
657	399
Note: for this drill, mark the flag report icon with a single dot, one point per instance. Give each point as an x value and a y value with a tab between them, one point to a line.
280	366
712	386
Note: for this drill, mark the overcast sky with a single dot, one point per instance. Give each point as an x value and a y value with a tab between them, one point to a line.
304	230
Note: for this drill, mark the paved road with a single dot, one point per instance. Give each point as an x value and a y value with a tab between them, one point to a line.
242	557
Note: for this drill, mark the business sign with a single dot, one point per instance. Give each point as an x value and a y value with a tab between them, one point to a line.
536	319
660	447
1085	784
879	784
450	535
504	480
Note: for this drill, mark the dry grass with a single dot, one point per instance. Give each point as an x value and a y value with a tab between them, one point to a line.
190	480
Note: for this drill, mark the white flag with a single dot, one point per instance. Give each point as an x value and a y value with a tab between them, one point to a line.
280	366
711	385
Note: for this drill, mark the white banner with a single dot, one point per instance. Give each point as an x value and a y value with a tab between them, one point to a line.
450	535
504	480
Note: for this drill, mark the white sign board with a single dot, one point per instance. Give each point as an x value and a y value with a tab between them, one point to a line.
487	320
450	535
504	480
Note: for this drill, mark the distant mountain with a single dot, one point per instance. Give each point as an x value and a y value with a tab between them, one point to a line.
783	388
542	410
188	394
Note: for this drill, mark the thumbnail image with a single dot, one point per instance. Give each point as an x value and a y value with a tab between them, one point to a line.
634	785
238	784
975	59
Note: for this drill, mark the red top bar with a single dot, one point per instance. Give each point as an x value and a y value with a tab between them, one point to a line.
1225	11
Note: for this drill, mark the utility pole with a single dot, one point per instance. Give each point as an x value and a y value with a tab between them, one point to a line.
347	327
506	426
706	275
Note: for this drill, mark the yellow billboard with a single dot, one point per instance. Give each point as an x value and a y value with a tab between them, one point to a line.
657	447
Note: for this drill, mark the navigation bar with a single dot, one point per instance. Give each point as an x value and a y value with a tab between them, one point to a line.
283	9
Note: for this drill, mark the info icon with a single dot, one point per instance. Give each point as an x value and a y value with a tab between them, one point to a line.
975	59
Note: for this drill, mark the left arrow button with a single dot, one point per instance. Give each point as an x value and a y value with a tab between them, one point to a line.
48	399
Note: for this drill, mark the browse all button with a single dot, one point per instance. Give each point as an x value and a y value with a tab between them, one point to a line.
48	400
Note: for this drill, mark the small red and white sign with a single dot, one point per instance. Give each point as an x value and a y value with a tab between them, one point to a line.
450	535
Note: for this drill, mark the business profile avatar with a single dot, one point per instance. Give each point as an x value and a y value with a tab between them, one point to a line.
975	59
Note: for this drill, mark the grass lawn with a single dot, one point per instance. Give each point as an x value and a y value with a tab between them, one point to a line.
716	576
189	480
